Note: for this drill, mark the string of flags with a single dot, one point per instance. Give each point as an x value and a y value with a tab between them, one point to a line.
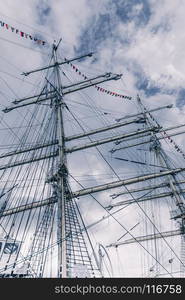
41	42
96	86
21	33
169	138
174	144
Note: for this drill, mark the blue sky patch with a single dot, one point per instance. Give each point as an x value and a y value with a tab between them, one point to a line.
144	84
43	11
100	28
133	10
180	102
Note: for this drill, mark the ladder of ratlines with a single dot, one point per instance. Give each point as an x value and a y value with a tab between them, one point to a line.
182	265
39	243
79	262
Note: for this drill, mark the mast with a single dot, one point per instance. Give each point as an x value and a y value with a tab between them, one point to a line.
73	256
59	106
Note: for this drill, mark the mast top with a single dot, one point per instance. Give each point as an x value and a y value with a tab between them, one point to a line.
55	46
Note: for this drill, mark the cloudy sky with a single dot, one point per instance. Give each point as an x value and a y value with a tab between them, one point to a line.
142	39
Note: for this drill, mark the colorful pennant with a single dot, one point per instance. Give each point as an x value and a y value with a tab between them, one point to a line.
169	138
97	87
22	34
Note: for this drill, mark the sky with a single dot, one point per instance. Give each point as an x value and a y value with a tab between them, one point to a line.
142	39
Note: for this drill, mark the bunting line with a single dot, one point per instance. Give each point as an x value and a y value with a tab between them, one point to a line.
96	86
21	33
169	138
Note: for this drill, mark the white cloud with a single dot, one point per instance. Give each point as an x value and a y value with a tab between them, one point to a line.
159	54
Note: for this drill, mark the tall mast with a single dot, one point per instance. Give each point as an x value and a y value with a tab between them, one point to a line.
176	193
61	231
